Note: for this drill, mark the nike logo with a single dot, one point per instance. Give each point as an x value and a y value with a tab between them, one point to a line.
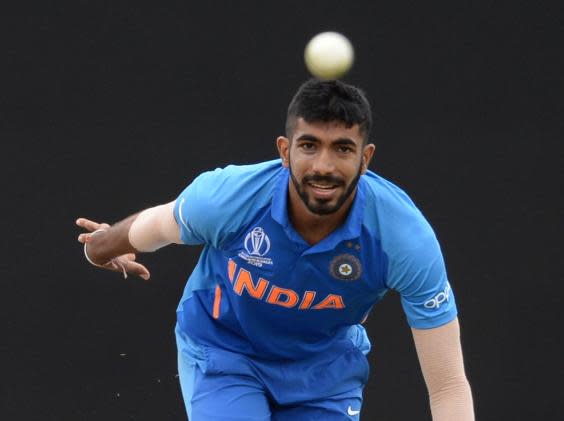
350	411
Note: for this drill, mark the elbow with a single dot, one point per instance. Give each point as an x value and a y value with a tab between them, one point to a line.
452	401
453	386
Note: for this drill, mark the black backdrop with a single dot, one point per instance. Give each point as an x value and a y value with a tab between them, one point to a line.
108	107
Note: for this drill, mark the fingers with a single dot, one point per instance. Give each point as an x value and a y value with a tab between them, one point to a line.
82	238
85	237
124	263
136	269
89	225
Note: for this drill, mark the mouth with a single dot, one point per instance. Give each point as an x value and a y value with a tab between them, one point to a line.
323	191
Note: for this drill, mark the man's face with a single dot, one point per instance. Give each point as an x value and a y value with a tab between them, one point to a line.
325	161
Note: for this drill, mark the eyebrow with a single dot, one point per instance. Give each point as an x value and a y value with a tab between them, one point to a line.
339	141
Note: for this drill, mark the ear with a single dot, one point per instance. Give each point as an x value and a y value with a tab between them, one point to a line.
283	145
367	154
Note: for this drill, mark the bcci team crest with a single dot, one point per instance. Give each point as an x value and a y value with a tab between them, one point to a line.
345	267
257	245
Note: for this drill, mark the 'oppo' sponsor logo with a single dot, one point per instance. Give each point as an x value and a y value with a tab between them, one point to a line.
438	299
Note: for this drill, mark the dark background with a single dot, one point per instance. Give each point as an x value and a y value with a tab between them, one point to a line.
109	107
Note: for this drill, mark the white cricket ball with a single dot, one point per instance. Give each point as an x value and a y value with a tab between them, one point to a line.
329	55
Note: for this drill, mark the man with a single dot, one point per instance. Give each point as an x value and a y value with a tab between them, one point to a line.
297	251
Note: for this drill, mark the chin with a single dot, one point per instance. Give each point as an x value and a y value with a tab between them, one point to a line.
326	208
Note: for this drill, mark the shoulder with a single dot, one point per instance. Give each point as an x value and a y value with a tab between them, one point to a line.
219	202
240	176
392	216
238	185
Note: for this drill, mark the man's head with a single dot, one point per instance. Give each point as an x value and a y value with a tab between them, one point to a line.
326	146
328	101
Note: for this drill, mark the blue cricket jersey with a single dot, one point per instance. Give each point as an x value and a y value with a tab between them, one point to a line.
260	292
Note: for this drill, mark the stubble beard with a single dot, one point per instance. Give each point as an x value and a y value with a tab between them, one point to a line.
322	206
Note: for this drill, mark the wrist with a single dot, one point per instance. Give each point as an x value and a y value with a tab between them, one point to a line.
87	254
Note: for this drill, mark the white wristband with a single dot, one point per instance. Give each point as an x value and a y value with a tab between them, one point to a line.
115	261
85	243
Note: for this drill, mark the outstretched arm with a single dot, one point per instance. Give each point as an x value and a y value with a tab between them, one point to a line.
114	247
440	356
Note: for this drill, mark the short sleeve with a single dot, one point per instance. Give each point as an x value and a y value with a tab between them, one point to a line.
188	212
418	273
217	204
203	209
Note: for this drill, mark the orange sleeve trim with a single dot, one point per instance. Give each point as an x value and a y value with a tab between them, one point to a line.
216	302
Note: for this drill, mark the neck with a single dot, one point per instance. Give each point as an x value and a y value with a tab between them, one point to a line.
313	227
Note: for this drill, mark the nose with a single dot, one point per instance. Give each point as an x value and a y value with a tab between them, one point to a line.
323	163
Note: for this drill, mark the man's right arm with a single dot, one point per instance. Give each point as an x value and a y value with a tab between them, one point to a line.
145	231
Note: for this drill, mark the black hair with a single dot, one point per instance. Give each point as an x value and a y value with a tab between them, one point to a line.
327	101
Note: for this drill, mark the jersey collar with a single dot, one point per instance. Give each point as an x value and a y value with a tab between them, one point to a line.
350	229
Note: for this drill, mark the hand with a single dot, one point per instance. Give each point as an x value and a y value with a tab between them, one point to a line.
125	263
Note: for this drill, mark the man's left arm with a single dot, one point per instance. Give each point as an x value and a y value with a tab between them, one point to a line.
440	356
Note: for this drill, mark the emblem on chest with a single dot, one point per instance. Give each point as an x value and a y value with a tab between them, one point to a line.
345	267
257	246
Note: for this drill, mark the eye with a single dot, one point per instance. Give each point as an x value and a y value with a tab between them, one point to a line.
307	146
344	149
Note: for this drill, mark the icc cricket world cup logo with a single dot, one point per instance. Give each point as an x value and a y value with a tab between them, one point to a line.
257	242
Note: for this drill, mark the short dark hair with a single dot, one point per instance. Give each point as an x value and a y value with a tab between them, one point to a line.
330	100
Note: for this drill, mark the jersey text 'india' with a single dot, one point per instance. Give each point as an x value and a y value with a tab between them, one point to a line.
276	295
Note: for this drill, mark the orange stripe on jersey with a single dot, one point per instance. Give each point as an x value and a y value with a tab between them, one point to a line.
291	299
307	300
216	302
231	267
331	301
